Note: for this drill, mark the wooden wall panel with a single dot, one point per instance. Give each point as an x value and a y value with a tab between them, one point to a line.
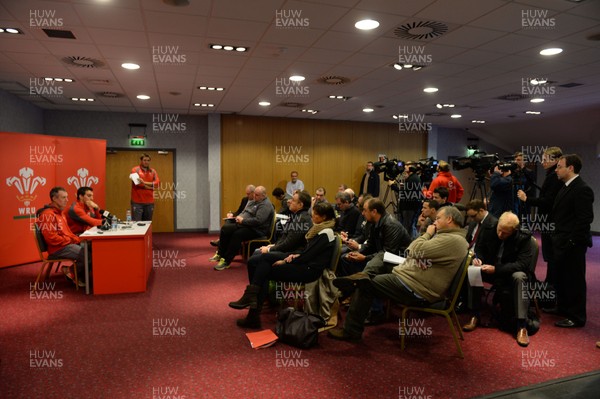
264	151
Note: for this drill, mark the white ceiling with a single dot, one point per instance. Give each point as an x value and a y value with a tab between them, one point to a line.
486	53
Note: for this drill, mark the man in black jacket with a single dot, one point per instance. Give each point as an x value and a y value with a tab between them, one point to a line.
506	263
572	215
410	196
387	235
544	202
349	213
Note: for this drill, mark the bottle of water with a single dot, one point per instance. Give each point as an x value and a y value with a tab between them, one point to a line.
113	224
128	217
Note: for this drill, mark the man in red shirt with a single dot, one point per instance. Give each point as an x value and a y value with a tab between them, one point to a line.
446	179
142	191
83	213
60	240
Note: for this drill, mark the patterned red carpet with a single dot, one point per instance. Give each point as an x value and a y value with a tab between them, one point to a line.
179	340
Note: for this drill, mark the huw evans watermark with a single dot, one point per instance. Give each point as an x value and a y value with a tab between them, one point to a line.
413	123
285	87
413	392
290	358
167	123
291	19
536	154
531	87
537	19
290	154
167	259
44	19
46	88
167	392
168	55
537	359
414	55
537	223
164	327
414	328
290	291
45	359
44	290
168	191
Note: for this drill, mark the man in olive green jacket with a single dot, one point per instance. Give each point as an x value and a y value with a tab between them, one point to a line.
425	276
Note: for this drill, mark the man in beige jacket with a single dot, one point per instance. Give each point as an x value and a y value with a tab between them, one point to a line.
425	276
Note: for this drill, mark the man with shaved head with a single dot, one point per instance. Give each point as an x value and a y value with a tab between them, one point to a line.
255	221
506	263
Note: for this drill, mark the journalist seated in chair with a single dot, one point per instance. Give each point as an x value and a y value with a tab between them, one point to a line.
255	221
506	262
60	240
425	276
293	238
249	196
302	267
83	213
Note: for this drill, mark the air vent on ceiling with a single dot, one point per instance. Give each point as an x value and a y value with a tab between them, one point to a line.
99	81
110	94
83	62
292	105
333	80
573	84
59	34
512	97
421	30
436	114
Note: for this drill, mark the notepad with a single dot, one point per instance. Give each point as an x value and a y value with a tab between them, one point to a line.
261	339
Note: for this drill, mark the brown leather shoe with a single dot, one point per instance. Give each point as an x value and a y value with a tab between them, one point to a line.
471	325
340	334
522	337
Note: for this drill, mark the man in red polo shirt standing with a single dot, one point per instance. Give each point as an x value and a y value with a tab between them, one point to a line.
142	190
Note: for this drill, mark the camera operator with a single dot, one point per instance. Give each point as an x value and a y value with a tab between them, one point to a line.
523	180
501	186
409	198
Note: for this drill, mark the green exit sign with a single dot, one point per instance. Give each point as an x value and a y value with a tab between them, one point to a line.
137	141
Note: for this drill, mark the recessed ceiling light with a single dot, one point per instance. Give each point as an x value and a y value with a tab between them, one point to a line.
130	65
533	112
551	51
310	111
430	89
477	121
397	66
216	47
537	100
203	105
538	81
297	78
455	116
227	48
408	65
366	24
368	109
11	30
240	49
143	97
264	103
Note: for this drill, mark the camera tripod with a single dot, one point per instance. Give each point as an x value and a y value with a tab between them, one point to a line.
479	189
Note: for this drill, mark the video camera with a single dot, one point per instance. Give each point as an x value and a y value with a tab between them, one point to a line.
390	169
427	167
507	165
480	162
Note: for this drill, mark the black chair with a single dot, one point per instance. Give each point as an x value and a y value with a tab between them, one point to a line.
444	307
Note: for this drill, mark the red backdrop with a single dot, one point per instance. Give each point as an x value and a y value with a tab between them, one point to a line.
30	165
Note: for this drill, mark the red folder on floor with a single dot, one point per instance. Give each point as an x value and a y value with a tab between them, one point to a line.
261	339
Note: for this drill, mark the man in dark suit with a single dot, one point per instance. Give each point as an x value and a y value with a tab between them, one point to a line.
483	240
506	263
572	215
544	204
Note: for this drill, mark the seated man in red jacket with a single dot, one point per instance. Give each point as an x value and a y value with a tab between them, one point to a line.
61	241
83	213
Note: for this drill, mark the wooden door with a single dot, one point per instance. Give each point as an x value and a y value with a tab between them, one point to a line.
118	186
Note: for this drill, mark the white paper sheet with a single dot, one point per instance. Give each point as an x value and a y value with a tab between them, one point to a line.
394	259
475	276
135	178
